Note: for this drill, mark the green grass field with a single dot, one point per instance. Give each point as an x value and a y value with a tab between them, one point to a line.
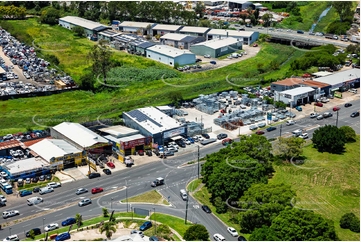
328	184
20	115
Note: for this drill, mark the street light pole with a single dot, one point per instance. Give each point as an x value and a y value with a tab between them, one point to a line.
10	230
198	160
155	223
44	226
337	119
280	130
111	204
185	219
126	193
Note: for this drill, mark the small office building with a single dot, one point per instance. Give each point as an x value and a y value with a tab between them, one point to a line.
286	84
170	55
27	168
151	122
242	5
247	37
60	154
217	47
91	28
143	28
139	47
296	96
126	141
163	29
180	41
195	31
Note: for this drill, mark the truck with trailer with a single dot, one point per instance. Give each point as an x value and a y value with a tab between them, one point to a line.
355	39
331	36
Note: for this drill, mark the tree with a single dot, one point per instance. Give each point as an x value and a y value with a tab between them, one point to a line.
199	9
87	82
267	19
330	139
343	9
109	228
78	31
176	97
79	219
349	132
264	234
100	56
280	104
288	148
350	221
196	232
261	203
105	212
229	172
302	225
50	16
32	234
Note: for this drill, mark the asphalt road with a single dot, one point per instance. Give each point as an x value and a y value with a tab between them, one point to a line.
62	203
310	125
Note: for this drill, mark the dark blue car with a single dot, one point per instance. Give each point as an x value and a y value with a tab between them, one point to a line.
24	193
63	236
269	129
190	139
145	226
68	221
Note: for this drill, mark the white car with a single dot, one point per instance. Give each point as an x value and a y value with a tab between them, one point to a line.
187	141
232	231
10	213
303	136
218	237
12	238
174	144
54	184
3	198
200	138
207	56
51	227
290	122
314	115
172	148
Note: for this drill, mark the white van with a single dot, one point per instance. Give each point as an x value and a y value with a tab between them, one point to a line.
290	122
183	194
45	190
34	200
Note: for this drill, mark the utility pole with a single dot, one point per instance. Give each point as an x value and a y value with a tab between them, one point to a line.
126	194
337	119
185	219
280	130
155	223
198	161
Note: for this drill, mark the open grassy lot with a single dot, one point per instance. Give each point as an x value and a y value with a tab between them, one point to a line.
171	221
328	184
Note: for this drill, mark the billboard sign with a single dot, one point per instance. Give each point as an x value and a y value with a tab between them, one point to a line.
174	132
132	143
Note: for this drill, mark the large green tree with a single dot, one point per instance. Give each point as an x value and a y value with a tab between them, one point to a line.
343	8
350	133
288	148
108	228
50	16
350	221
196	232
330	139
302	225
261	203
228	173
100	57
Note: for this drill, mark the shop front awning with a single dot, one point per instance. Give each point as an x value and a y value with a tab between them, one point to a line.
177	137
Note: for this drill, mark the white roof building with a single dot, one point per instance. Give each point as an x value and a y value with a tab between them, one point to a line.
77	134
199	31
132	24
218	43
119	131
167	27
30	164
168	51
174	36
49	148
85	23
339	78
297	91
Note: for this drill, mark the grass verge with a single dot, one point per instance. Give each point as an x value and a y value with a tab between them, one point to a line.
148	197
171	221
192	186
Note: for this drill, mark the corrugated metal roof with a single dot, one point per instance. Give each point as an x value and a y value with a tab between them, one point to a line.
218	43
109	33
231	33
169	51
143	25
32	142
49	148
289	81
9	144
79	134
298	90
24	165
119	130
174	36
313	83
169	27
190	29
339	77
88	24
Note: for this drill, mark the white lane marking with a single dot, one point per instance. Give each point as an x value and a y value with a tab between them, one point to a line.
26	225
58	215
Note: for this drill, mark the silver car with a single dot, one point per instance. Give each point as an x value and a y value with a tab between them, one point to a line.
81	191
85	202
319	117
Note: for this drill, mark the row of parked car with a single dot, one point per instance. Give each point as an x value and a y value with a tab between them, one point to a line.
25	136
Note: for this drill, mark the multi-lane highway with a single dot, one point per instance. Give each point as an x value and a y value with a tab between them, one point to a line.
62	203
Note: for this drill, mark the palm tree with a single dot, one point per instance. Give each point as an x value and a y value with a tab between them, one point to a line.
79	220
109	228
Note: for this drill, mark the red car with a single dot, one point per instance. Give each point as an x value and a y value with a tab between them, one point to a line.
260	132
319	104
111	165
336	108
96	190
